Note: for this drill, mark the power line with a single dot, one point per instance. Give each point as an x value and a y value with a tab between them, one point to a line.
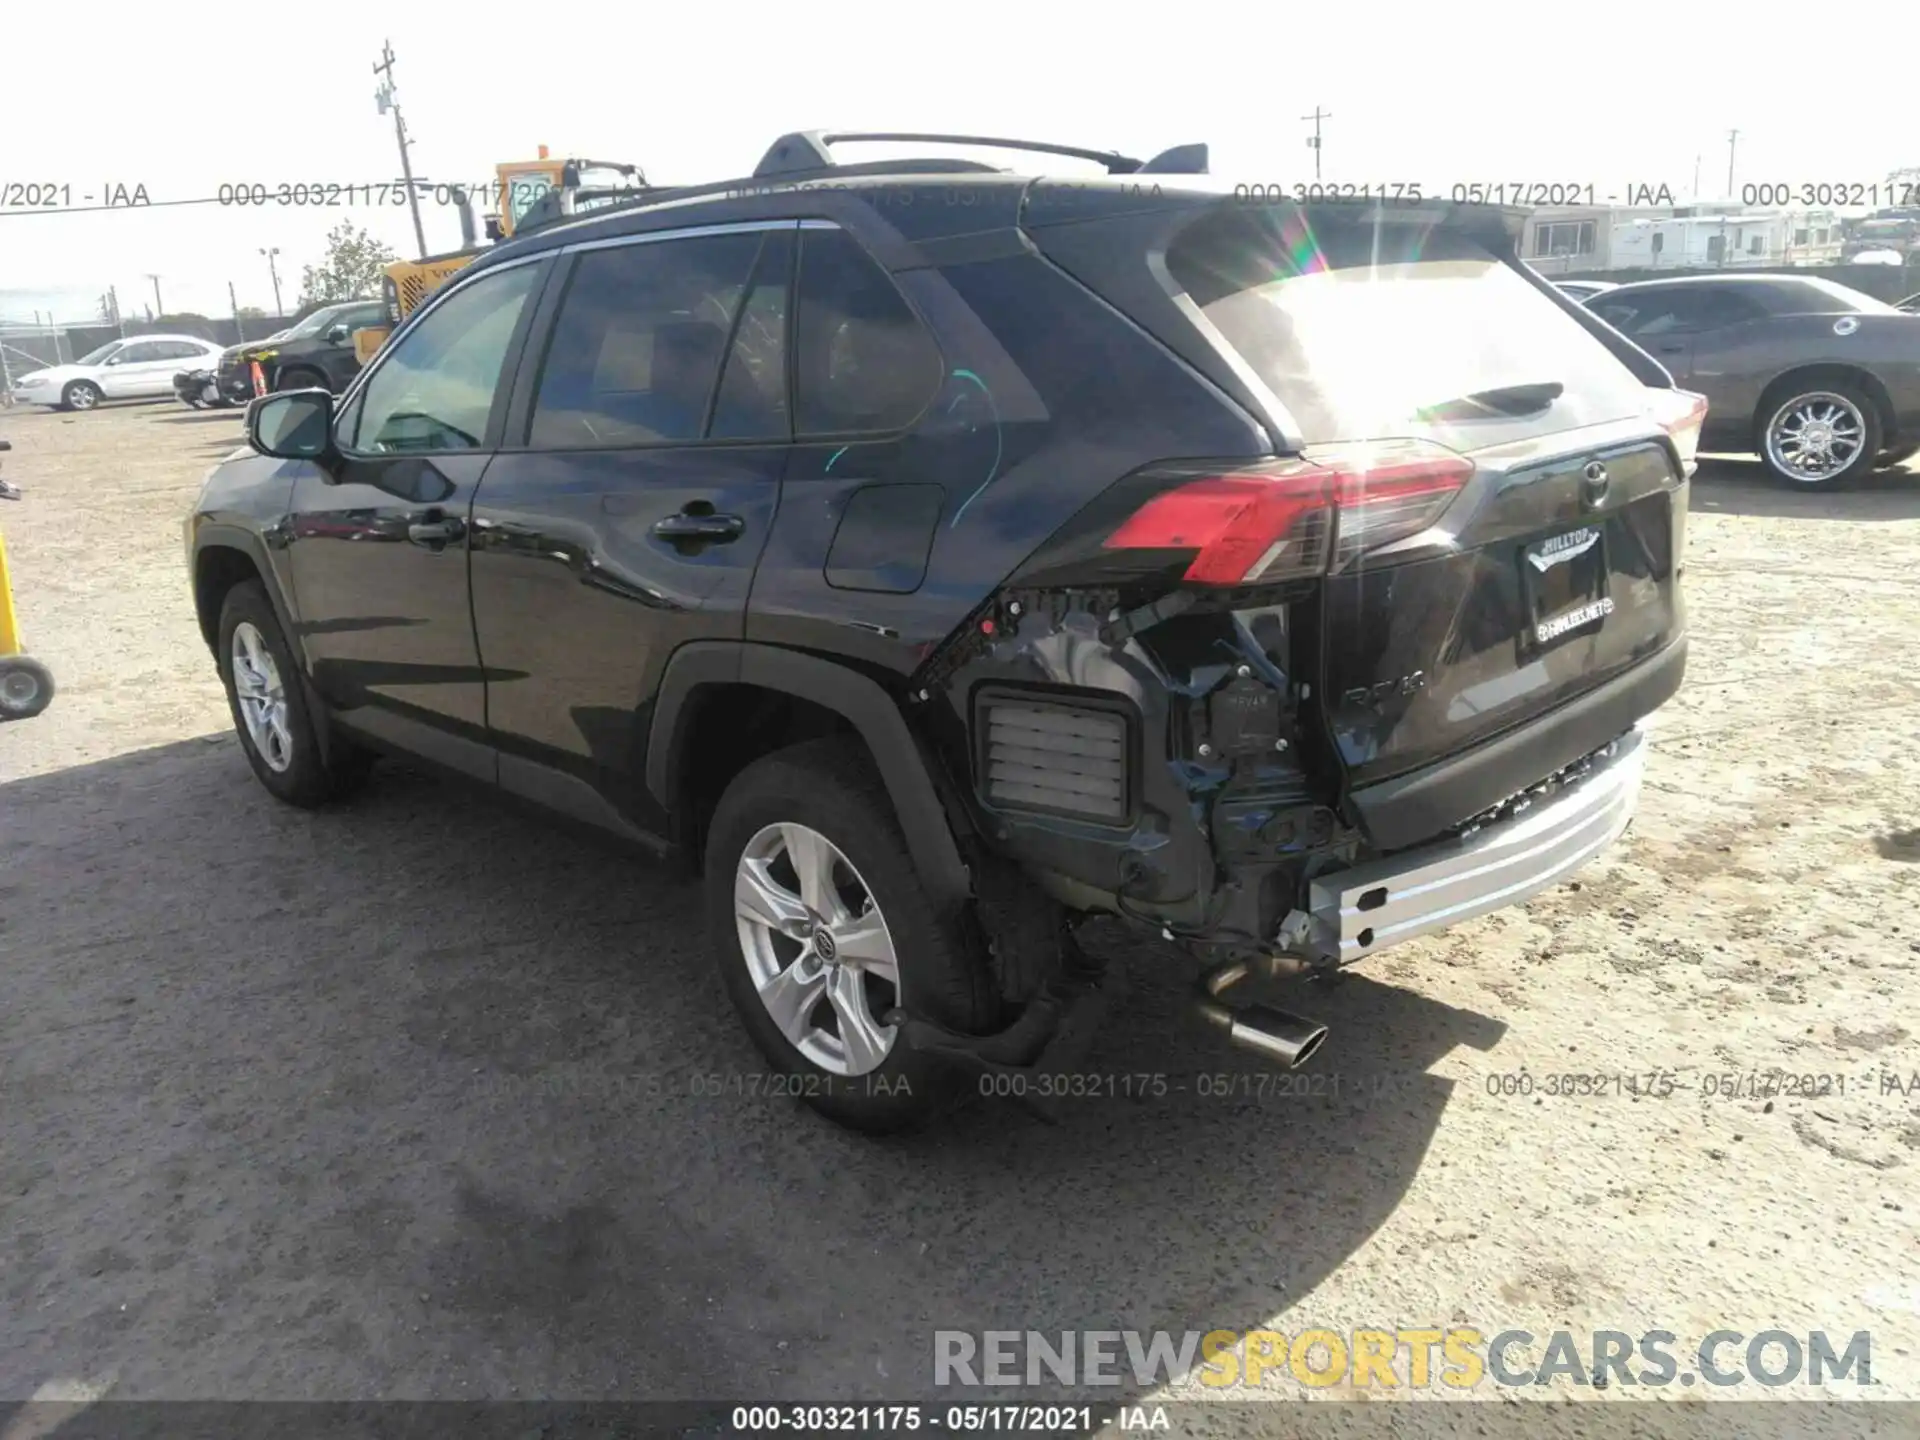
89	209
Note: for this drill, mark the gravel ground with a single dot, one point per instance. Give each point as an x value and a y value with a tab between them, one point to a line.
409	1098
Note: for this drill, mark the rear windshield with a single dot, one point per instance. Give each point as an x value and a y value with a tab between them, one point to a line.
1373	331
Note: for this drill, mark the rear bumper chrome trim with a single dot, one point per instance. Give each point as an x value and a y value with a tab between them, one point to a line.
1360	911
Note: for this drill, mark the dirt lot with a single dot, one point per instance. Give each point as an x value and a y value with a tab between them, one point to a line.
407	1099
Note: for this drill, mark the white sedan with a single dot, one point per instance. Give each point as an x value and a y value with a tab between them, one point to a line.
140	367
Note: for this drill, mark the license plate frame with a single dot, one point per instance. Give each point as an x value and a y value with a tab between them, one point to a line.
1564	582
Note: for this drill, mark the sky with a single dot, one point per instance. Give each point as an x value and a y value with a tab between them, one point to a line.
698	92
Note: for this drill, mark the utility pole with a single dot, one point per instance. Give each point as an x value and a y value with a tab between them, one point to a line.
1733	137
233	304
158	308
1696	177
273	270
113	300
383	98
1314	144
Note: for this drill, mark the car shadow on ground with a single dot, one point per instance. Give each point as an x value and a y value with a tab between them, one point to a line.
194	417
419	1096
1729	485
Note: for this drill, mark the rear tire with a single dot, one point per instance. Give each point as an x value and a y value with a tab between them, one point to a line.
1819	435
26	687
860	1074
268	703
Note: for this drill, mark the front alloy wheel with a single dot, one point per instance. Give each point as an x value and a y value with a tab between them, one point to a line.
817	948
1816	438
262	698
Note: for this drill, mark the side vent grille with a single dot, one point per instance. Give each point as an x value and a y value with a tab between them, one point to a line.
1054	757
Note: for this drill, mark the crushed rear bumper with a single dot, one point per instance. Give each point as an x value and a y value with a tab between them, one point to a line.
1360	911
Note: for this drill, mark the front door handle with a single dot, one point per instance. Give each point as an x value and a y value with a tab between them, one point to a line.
686	528
435	532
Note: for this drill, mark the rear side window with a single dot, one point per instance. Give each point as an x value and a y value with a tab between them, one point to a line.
637	349
1370	331
864	361
1676	310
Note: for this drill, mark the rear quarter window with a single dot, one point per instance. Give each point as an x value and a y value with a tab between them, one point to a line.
1368	331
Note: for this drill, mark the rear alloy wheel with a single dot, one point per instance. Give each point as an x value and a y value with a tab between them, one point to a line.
1821	439
817	948
81	395
821	928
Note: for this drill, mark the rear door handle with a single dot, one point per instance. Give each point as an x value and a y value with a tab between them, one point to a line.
712	529
436	533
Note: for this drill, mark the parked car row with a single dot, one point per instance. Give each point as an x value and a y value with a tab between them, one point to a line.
317	352
139	368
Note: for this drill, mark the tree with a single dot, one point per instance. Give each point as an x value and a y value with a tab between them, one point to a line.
251	312
351	270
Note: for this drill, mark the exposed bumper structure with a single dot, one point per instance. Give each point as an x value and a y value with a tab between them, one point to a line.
1363	910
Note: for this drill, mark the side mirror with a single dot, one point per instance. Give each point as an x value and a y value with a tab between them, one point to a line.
291	424
337	334
493	229
114	359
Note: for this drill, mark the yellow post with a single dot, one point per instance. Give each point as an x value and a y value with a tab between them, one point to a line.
9	626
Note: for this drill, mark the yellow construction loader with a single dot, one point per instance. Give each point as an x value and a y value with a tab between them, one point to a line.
528	193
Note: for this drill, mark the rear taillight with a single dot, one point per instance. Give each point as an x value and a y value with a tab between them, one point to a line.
1301	516
1681	413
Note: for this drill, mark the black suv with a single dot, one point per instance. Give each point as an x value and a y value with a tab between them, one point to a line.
316	352
941	556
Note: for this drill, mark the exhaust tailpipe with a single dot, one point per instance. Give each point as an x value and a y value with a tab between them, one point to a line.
1279	1036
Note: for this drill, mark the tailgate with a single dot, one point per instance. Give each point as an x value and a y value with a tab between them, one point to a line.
1563	575
1553	570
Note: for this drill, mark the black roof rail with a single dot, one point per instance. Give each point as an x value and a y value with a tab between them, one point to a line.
806	150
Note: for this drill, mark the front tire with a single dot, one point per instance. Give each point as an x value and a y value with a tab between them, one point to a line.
820	927
269	707
1820	436
299	380
81	395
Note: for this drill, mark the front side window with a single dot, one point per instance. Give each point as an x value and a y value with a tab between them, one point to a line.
636	350
864	363
140	353
436	389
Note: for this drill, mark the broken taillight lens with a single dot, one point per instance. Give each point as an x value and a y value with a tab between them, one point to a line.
1301	516
1682	414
